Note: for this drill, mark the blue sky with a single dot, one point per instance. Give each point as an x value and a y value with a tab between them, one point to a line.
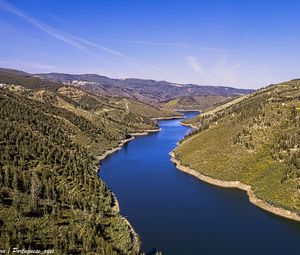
249	43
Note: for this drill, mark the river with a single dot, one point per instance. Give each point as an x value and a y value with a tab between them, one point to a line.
179	214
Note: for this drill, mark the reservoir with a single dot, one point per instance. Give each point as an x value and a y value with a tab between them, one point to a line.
179	214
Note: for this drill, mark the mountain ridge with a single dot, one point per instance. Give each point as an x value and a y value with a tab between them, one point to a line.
158	93
135	83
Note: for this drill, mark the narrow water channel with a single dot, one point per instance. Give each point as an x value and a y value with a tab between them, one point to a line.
179	214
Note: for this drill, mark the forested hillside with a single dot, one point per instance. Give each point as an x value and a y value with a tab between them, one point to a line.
255	140
50	138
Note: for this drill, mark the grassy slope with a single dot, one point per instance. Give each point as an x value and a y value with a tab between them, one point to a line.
196	121
50	196
200	103
147	110
255	141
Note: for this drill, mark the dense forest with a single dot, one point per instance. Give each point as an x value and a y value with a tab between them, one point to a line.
50	195
254	139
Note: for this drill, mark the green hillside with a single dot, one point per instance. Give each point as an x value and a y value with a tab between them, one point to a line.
254	140
200	103
50	138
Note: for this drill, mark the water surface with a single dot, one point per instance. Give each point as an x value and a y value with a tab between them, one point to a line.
179	214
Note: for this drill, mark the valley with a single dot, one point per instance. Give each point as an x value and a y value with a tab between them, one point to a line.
149	127
54	133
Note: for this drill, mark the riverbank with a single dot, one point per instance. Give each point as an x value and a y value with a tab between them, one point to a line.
169	118
112	150
115	206
236	184
145	132
123	142
188	125
134	236
191	110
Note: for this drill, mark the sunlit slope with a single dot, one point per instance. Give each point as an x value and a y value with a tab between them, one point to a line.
200	103
147	110
94	122
111	118
254	140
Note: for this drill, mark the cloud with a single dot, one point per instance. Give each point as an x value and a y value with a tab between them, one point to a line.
75	41
165	44
221	72
197	67
58	19
45	28
227	72
168	44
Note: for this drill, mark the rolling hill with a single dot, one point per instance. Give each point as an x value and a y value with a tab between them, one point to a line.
252	142
199	103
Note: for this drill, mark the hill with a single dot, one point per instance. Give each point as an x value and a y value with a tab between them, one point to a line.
20	78
148	91
199	103
51	137
253	140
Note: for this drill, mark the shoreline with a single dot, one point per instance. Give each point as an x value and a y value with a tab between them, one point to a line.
191	110
116	207
134	235
145	132
123	142
112	150
188	125
236	184
168	117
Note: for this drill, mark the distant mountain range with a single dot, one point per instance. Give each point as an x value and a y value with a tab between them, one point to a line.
149	91
159	93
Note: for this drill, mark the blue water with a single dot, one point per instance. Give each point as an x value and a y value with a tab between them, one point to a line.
179	214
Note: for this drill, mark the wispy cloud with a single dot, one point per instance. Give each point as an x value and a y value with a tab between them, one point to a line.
58	19
119	54
165	44
228	72
77	42
197	67
168	44
45	28
222	71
